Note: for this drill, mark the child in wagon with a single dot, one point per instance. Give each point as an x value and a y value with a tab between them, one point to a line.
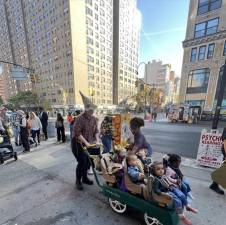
162	184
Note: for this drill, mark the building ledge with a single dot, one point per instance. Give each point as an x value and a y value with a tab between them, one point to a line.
202	40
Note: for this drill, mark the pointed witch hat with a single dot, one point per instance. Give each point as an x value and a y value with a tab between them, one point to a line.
88	104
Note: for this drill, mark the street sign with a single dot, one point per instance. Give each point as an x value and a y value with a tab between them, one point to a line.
209	152
19	73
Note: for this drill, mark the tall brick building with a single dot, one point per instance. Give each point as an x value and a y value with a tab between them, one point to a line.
69	44
204	52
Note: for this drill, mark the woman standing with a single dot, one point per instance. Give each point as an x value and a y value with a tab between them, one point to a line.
36	126
60	128
106	133
23	130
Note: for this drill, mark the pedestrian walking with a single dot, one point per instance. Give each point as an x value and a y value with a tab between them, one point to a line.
70	122
106	133
215	186
14	119
60	128
44	120
36	127
85	133
23	130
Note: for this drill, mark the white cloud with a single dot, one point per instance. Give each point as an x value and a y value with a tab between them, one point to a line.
176	29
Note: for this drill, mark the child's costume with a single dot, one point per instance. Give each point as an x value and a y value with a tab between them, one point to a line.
134	172
162	184
175	174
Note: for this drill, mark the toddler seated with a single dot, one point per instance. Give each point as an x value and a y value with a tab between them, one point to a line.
134	172
162	184
146	161
172	164
119	155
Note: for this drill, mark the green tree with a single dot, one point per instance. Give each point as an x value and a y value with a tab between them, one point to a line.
25	99
149	96
1	100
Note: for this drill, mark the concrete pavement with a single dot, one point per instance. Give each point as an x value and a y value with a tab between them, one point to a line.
38	189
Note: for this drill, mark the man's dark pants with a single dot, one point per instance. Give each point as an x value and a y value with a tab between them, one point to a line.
44	129
82	159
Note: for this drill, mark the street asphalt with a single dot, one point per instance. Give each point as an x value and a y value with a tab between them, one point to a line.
39	189
179	138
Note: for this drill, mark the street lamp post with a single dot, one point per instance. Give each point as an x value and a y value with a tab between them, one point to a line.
145	84
220	98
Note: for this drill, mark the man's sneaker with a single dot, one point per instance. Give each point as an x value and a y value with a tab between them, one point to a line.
87	181
216	188
79	185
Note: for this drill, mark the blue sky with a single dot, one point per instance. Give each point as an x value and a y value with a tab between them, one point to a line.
163	30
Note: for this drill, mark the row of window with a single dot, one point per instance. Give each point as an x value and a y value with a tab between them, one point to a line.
208	5
206	28
201	52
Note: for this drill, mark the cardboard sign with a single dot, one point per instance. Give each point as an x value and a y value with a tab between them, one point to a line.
209	152
116	124
125	129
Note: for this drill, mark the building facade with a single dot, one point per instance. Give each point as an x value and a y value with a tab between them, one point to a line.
69	44
204	52
13	44
157	74
126	29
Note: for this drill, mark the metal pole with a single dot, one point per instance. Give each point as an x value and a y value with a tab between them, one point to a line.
220	98
15	64
145	91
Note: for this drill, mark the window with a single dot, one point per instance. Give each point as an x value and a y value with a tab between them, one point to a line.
89	41
89	11
208	5
90	59
198	81
90	50
210	51
202	52
206	28
224	52
90	68
89	22
193	54
89	2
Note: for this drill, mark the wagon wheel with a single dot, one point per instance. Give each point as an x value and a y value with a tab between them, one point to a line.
117	206
151	220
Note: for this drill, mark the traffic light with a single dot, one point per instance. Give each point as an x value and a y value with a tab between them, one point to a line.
32	78
136	83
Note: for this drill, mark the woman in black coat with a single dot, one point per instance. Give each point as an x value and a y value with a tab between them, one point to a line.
60	128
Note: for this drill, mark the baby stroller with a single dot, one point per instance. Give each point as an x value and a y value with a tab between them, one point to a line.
6	149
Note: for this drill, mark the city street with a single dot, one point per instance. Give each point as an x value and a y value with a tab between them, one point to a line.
39	189
179	138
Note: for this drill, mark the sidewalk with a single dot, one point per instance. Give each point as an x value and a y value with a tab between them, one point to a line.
38	189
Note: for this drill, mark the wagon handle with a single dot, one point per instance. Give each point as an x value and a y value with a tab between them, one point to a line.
94	171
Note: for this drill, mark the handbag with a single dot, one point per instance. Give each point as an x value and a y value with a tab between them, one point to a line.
59	124
219	175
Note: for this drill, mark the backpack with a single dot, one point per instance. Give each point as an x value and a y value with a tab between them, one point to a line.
29	125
